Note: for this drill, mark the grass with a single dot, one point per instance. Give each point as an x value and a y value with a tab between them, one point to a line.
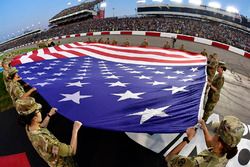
5	100
17	52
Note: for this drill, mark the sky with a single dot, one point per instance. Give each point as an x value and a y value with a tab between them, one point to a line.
17	16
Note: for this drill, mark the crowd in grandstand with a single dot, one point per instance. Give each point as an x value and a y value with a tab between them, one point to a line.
188	26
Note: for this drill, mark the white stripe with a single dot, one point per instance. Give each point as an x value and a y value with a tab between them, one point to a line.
203	41
115	32
98	56
96	33
237	50
151	50
25	59
72	35
66	54
168	35
63	36
138	33
45	56
154	56
83	34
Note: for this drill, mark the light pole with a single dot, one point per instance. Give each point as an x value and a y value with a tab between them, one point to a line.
113	12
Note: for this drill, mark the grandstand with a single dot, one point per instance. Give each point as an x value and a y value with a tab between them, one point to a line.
83	11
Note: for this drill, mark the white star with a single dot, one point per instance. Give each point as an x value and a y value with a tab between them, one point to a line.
128	95
194	69
106	70
118	83
21	67
135	72
185	80
159	72
52	64
84	70
53	79
64	69
149	113
88	61
107	73
75	97
143	77
141	66
179	72
58	74
85	66
42	84
33	67
26	72
156	83
112	77
72	62
177	89
190	76
81	78
82	74
57	61
170	77
119	65
41	73
79	84
128	69
68	65
47	68
168	68
39	64
30	78
150	68
124	67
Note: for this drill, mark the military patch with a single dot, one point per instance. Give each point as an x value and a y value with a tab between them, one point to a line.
181	162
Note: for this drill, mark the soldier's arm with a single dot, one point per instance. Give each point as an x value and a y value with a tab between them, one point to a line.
208	137
46	120
27	94
212	87
190	134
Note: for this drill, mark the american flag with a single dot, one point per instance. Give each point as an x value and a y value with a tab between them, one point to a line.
118	88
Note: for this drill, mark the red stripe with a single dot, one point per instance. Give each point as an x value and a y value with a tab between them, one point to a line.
140	52
76	43
247	55
155	34
57	55
220	45
126	32
67	36
89	34
77	35
34	57
69	51
105	33
140	58
186	38
15	62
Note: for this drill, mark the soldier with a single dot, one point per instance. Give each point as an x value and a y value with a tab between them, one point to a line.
114	42
166	45
212	66
100	40
144	43
107	41
221	147
204	53
54	152
88	40
182	47
126	43
214	92
6	68
15	88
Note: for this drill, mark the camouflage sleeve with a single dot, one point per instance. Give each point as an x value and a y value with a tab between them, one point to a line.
212	64
64	150
219	84
181	161
18	92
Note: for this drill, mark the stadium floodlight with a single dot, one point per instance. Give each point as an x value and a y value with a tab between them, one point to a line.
232	9
216	5
141	1
79	0
69	3
176	1
195	2
103	5
159	1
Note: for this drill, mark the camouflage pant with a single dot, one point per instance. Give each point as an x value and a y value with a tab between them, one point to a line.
208	109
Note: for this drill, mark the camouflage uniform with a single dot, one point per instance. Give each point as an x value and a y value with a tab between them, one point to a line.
213	64
55	153
230	131
126	43
213	97
205	159
16	90
204	53
144	43
6	75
